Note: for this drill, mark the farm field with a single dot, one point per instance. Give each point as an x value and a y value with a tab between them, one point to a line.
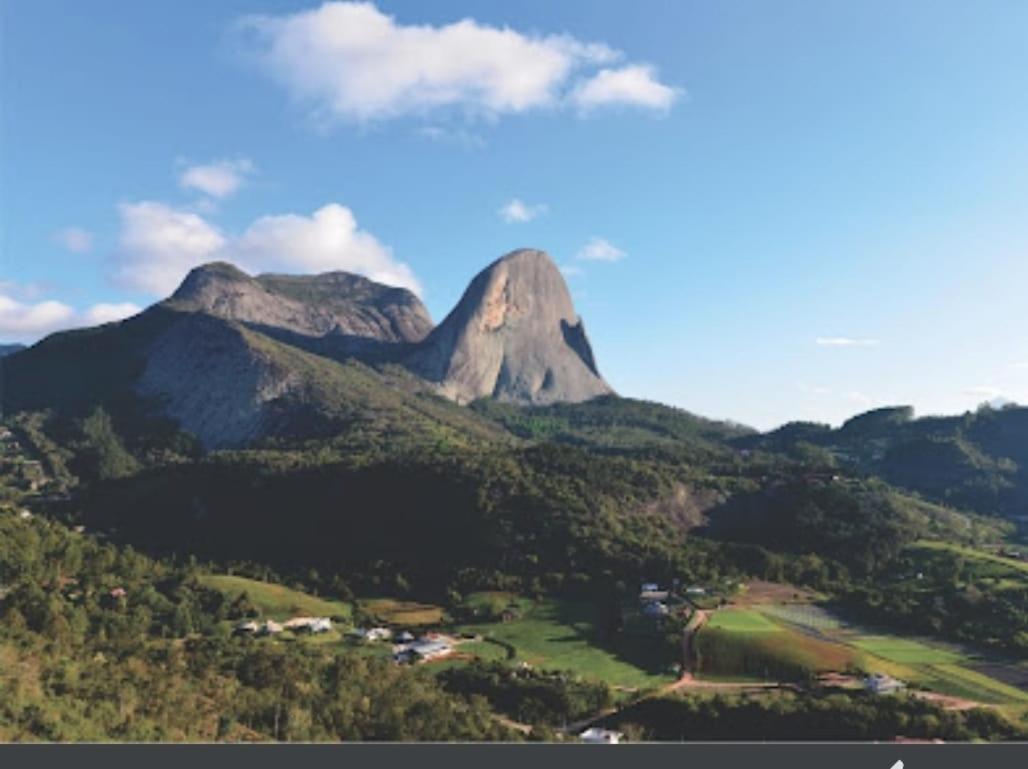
276	601
741	621
403	613
563	635
745	643
904	650
792	641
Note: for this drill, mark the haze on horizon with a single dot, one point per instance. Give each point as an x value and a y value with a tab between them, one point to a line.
763	213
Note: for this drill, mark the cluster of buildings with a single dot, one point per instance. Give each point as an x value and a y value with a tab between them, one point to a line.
313	625
424	649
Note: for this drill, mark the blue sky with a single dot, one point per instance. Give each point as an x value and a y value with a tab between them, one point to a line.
766	211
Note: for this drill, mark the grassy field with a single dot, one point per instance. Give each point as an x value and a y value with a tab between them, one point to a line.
741	621
745	643
905	651
563	635
403	613
276	601
972	554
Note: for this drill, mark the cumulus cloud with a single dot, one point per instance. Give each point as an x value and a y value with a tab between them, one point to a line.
600	250
75	239
20	320
329	239
845	341
349	61
517	212
634	85
106	312
220	179
159	244
27	321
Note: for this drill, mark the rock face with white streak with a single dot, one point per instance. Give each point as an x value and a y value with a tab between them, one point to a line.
514	336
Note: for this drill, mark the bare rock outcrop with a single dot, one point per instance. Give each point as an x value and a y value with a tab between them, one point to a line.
514	336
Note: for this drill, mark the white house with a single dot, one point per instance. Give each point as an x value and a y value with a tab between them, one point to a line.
649	587
321	625
270	627
247	628
428	649
879	683
696	590
309	624
597	736
373	633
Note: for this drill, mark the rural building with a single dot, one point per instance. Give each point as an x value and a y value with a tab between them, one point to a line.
879	683
246	628
405	637
308	624
270	627
422	650
596	736
373	634
696	590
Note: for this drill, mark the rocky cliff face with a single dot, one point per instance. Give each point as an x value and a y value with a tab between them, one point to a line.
514	336
335	304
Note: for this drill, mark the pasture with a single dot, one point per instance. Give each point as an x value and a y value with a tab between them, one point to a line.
905	651
741	621
276	602
565	635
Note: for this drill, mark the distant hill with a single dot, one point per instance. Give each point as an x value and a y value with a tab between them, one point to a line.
977	461
9	349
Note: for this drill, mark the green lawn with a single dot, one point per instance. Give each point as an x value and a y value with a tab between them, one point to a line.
904	650
741	621
276	601
562	635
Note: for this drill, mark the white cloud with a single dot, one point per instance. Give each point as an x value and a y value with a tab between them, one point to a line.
329	239
517	212
600	250
159	245
634	85
1021	365
20	320
28	321
106	312
219	179
845	341
75	239
351	62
